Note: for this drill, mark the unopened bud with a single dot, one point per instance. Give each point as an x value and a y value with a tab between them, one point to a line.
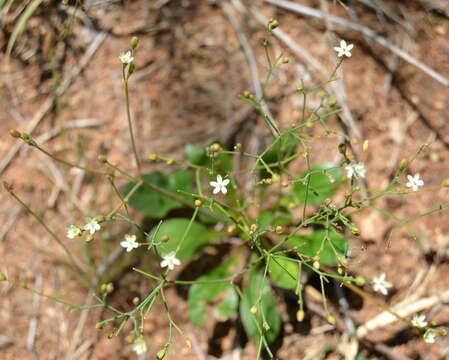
285	183
2	277
331	319
215	147
445	183
188	343
170	162
316	264
89	238
198	203
322	94
360	281
285	60
278	229
109	287
355	231
267	181
266	327
161	353
365	145
136	300
332	101
253	310
275	178
300	315
100	218
102	159
253	228
238	147
299	90
230	229
272	24
15	133
153	157
134	42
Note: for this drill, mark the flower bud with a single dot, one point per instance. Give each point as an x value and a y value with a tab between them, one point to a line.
253	228
331	319
153	157
285	60
365	145
253	310
2	277
267	181
360	280
215	147
161	353
278	229
272	24
136	300
445	183
316	264
15	133
300	315
266	327
134	42
102	159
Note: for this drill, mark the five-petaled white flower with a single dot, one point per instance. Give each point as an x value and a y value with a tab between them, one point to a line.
92	226
126	57
220	185
355	170
419	321
139	346
380	284
344	49
414	182
129	243
430	336
170	260
73	231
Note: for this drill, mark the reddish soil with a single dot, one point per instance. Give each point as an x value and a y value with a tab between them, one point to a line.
190	71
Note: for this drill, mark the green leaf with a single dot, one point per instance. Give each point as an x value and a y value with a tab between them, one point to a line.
283	272
201	294
320	185
196	238
154	204
258	288
327	245
229	305
264	219
196	155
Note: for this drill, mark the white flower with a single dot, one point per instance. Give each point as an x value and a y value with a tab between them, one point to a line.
344	49
139	346
419	321
430	336
129	243
414	182
73	231
126	58
170	260
355	170
92	226
220	185
380	284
